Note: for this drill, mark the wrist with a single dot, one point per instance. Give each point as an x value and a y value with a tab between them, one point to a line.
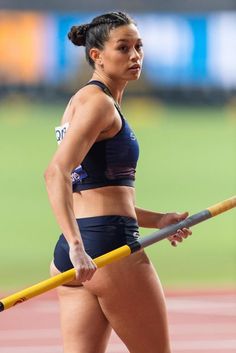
160	220
75	242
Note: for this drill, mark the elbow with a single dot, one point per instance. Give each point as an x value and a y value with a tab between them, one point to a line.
50	174
55	174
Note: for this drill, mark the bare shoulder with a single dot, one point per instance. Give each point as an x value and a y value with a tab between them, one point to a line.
90	113
90	102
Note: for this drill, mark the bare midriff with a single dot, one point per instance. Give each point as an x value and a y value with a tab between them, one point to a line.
110	200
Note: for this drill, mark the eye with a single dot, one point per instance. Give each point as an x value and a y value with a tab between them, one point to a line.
139	46
123	48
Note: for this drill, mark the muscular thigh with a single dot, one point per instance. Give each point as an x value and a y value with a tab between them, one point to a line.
132	299
84	326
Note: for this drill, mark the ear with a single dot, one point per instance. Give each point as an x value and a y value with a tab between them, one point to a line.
95	55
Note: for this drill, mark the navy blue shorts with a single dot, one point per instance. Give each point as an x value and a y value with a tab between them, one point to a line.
100	235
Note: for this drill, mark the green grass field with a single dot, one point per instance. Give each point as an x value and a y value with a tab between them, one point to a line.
187	162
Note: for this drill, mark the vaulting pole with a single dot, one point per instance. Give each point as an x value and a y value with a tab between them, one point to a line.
118	253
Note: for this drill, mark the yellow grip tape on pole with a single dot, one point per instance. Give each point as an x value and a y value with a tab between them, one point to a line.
222	206
38	289
112	256
62	278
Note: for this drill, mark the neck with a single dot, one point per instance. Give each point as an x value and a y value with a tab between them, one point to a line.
115	87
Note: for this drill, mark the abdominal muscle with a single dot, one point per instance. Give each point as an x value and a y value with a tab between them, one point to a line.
109	200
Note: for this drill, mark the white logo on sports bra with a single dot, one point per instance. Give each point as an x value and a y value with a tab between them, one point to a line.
60	132
132	136
136	235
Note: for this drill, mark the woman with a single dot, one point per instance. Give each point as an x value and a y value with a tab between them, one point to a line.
95	204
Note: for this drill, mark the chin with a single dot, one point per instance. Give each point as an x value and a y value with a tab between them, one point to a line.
133	76
130	77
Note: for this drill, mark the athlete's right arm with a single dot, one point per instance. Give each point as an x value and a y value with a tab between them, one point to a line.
90	118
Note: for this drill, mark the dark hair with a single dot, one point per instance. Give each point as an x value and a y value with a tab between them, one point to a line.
96	33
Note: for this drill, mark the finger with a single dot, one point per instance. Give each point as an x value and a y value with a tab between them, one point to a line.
81	274
175	237
94	265
171	239
182	216
90	273
174	243
180	233
84	273
77	274
186	232
178	238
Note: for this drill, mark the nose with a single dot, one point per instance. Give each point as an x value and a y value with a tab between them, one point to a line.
135	55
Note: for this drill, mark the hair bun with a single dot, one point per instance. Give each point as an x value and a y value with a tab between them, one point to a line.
77	34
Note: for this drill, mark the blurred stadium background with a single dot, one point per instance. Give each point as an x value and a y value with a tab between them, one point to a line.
183	110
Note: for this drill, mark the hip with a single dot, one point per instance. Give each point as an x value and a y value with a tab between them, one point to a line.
100	235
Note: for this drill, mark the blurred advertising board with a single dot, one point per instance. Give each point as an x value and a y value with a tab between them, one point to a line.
180	49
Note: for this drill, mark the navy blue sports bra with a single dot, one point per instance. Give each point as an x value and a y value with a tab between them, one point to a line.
108	162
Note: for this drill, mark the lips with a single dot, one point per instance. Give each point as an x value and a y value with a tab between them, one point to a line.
135	67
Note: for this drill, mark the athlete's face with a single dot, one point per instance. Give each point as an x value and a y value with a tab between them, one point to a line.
122	55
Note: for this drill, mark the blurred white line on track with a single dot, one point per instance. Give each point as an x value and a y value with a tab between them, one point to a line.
113	348
200	307
29	334
214	346
31	349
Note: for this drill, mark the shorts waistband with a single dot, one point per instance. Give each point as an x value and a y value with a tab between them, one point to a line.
110	219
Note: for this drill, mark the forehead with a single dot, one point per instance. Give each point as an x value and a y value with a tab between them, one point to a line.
125	32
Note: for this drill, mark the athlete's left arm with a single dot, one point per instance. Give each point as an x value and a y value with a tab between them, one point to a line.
150	219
